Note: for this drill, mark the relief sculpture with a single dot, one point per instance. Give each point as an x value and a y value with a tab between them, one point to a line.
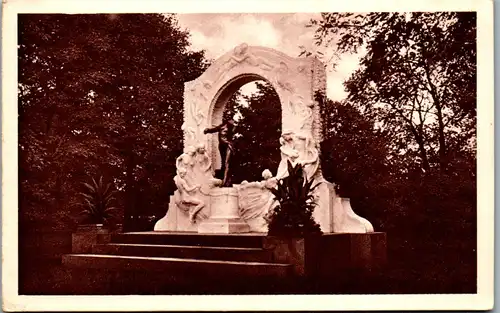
295	80
302	113
193	181
189	132
299	148
187	199
281	77
256	200
241	54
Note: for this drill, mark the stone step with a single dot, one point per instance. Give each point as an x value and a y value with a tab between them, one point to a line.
188	252
247	240
177	266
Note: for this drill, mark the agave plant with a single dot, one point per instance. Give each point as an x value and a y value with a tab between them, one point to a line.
293	215
98	198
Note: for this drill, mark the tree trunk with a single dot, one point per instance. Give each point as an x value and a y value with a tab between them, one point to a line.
421	147
419	138
442	142
441	138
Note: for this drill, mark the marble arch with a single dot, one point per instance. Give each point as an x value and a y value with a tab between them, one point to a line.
200	204
295	80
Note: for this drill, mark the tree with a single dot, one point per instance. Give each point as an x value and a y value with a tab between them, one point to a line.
258	130
101	95
417	76
416	84
355	156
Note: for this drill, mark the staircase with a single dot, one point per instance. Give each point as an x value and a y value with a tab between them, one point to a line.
185	260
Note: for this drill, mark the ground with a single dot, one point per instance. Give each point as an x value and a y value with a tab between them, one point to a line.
408	271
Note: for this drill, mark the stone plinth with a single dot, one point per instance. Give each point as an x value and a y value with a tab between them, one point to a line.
176	219
224	217
335	214
88	235
329	254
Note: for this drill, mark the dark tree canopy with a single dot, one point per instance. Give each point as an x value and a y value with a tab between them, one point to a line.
101	95
258	132
403	143
417	77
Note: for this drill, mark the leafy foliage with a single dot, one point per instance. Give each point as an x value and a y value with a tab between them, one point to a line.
98	202
359	162
404	141
417	78
100	93
258	130
431	214
293	216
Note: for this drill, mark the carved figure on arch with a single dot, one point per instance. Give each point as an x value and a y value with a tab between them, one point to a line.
185	162
203	170
308	154
302	112
298	147
202	159
288	152
281	77
242	54
189	132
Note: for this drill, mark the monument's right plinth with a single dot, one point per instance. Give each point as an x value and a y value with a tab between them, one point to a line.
330	254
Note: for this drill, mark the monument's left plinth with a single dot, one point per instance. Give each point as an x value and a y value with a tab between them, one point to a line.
224	218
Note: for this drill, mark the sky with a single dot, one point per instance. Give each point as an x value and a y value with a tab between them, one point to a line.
219	33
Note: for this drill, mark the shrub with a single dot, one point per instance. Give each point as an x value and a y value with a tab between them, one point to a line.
293	217
98	198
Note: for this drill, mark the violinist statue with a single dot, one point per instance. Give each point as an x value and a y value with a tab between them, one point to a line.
226	147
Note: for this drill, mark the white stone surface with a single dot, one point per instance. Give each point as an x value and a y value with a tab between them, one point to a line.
199	204
347	221
294	79
255	200
190	203
224	217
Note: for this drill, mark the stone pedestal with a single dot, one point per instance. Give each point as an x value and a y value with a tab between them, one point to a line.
88	235
335	214
330	255
224	216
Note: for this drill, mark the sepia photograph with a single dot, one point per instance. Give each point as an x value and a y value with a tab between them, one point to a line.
275	153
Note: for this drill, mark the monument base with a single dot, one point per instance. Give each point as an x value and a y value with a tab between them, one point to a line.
181	262
223	226
334	214
224	218
330	254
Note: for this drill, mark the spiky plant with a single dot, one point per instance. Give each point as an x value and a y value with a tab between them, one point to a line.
293	216
98	198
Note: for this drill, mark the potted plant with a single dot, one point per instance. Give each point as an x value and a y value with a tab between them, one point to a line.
292	230
98	218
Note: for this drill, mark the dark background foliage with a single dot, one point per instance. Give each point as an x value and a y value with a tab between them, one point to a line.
102	95
258	128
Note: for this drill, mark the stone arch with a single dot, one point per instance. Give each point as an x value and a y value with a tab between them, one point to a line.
218	104
295	80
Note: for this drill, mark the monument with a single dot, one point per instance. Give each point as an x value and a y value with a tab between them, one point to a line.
205	204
